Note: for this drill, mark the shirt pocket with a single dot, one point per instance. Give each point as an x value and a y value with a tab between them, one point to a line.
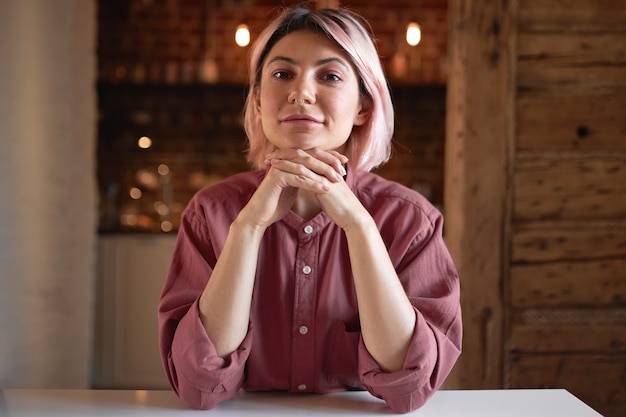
341	357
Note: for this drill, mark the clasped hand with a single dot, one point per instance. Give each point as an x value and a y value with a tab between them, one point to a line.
314	177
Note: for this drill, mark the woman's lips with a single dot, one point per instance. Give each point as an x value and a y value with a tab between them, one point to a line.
301	118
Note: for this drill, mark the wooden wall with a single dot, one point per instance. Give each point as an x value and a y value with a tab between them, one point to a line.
567	270
555	307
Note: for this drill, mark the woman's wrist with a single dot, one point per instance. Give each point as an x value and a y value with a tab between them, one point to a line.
361	224
251	229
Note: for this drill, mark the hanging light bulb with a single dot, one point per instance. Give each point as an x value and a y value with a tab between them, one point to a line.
144	142
413	34
242	35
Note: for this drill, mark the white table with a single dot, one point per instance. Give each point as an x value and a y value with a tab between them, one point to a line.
483	403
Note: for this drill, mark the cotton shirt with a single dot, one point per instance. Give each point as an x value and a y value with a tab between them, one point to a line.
304	333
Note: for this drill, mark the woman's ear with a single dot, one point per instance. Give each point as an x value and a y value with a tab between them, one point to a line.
256	98
364	112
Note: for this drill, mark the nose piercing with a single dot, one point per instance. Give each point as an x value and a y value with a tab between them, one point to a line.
299	101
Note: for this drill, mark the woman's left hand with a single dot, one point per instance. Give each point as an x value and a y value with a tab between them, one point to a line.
339	203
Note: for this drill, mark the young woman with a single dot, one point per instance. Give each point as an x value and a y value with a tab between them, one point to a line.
311	274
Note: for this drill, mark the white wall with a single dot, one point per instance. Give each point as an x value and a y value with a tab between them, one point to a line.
47	191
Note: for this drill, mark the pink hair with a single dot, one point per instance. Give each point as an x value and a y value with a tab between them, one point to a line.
369	145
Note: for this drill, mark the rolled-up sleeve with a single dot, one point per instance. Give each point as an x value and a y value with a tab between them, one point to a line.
200	377
429	360
431	282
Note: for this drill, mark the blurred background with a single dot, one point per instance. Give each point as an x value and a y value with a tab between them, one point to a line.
510	118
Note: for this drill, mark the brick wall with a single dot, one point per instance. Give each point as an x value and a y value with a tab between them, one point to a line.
149	40
156	79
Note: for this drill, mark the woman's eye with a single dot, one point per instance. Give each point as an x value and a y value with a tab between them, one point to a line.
331	77
281	75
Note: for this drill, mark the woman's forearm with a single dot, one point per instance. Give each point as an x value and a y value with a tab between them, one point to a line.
225	302
387	317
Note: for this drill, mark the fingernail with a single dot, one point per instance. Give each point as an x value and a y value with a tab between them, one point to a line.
343	170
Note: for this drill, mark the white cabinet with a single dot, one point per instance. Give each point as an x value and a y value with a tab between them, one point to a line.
131	273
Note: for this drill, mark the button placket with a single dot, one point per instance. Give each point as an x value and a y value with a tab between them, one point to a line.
303	346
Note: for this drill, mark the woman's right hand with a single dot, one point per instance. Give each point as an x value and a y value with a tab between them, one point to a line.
270	202
289	171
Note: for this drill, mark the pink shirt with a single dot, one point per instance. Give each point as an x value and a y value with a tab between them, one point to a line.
304	333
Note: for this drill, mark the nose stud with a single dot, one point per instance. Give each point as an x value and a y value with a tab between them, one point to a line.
298	100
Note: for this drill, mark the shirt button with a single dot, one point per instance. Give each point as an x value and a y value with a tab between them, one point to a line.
303	330
308	229
302	387
306	269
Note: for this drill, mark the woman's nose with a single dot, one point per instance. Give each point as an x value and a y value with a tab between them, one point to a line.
303	92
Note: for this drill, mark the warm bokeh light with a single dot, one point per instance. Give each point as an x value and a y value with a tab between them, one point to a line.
161	208
144	142
242	35
166	226
413	34
135	193
147	179
163	170
129	219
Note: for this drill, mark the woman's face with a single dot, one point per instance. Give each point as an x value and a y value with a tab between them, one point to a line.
309	94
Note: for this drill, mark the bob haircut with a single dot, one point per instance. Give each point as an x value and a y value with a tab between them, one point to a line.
369	145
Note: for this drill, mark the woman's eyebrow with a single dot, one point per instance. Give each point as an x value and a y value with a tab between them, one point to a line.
283	58
333	59
318	63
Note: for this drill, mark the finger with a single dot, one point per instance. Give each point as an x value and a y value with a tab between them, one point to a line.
297	175
320	162
333	158
330	157
343	158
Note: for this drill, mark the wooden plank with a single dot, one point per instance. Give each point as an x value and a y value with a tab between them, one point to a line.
581	339
476	160
570	317
570	189
571	15
575	123
598	380
543	243
570	59
563	284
